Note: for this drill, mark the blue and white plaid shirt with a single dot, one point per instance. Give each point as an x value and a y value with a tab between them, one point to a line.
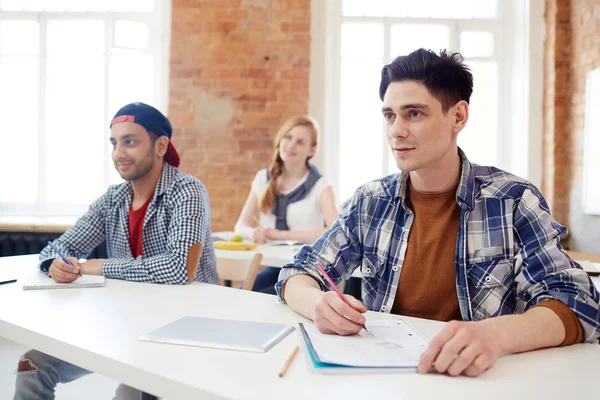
177	217
508	256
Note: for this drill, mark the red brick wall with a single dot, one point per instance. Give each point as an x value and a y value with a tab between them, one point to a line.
572	49
238	69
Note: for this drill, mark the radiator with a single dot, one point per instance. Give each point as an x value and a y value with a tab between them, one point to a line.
19	243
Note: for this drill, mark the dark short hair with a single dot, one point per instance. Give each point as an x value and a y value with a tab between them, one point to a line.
446	76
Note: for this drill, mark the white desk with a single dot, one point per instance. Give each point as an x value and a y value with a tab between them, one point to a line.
98	329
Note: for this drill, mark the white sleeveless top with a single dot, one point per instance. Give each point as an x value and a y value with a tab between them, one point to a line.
303	215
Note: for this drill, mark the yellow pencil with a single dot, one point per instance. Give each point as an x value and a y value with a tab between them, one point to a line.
288	362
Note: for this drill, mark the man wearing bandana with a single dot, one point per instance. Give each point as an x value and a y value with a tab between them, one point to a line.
156	226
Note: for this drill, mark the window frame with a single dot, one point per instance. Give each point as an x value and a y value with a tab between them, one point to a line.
159	26
522	44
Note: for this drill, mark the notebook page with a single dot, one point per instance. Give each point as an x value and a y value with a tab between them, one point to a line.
39	280
389	343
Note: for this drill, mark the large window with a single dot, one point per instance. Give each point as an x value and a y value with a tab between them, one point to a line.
66	66
365	35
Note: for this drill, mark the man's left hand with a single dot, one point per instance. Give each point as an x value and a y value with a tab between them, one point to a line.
468	348
93	266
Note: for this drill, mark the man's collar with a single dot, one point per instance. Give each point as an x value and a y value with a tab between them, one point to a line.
464	192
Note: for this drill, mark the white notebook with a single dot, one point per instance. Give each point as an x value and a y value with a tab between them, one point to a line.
389	346
39	280
257	337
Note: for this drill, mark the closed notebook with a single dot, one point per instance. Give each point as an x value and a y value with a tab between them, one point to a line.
39	280
257	337
389	346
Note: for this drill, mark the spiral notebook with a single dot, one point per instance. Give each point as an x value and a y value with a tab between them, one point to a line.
389	346
39	280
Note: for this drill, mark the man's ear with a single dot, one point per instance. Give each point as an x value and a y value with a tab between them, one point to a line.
161	144
460	115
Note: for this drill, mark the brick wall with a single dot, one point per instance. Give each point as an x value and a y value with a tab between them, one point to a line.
572	49
239	68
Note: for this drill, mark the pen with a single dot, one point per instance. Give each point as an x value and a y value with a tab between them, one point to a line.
334	287
288	362
64	258
11	281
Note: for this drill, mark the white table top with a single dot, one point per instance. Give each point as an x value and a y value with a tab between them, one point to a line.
99	328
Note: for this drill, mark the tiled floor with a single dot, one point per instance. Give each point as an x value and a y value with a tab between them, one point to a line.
91	387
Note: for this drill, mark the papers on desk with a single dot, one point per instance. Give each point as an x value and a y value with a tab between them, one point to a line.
284	243
593	269
39	280
390	346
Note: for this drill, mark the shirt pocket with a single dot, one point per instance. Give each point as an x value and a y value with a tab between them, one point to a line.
490	272
370	266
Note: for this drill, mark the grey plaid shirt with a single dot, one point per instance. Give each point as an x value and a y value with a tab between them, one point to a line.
508	256
177	217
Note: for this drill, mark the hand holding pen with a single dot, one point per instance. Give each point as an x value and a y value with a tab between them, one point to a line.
62	269
338	313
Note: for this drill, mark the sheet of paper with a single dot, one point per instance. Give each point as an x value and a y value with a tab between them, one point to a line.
389	343
39	280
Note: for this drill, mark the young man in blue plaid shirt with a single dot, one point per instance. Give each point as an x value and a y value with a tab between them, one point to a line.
156	227
446	239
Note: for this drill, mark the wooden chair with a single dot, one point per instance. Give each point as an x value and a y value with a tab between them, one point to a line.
240	271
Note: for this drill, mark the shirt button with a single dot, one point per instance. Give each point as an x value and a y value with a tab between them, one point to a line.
382	308
395	268
368	270
488	279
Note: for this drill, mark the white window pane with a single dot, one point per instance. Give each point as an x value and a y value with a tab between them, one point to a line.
131	34
407	38
479	138
33	5
75	129
142	5
485	9
55	5
476	44
361	8
11	5
361	138
78	5
130	5
362	40
421	9
75	37
19	37
19	99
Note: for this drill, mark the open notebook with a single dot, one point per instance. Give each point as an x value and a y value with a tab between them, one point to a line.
39	280
389	346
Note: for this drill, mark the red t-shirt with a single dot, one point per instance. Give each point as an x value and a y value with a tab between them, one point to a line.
136	223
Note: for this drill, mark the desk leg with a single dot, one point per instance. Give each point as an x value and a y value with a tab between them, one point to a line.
146	396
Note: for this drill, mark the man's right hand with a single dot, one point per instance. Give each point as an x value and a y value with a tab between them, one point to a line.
332	315
62	272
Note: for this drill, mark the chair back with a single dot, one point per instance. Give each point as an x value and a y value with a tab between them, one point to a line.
237	270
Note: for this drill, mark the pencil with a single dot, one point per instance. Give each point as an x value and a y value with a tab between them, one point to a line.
335	289
288	362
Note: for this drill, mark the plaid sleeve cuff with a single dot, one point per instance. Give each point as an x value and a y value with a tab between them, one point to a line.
112	269
293	269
